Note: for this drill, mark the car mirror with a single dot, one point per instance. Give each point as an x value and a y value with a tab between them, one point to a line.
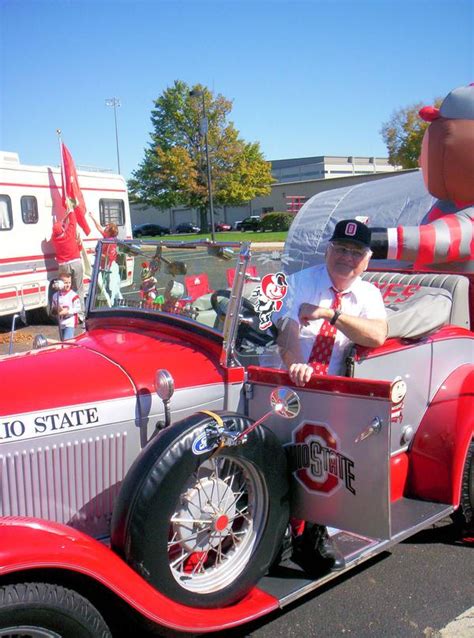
285	403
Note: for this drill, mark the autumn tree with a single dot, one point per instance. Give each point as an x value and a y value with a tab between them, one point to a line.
174	169
403	134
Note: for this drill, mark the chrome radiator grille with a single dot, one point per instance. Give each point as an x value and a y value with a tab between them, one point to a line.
74	483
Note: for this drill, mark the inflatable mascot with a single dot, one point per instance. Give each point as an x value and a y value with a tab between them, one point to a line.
444	240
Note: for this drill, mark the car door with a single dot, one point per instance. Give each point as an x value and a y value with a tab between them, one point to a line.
338	449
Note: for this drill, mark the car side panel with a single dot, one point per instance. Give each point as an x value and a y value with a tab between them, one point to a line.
414	366
70	477
423	365
68	437
66	463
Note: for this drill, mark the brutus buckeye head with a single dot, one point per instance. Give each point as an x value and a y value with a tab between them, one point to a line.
274	286
447	153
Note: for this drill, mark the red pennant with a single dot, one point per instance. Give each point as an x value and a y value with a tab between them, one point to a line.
72	198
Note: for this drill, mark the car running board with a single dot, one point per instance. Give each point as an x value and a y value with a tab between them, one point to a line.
288	581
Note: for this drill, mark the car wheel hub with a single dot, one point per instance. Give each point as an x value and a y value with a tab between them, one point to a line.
206	512
218	519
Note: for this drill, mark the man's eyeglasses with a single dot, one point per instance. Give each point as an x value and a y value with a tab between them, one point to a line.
343	251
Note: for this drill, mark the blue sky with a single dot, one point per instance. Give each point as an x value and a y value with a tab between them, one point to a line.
306	78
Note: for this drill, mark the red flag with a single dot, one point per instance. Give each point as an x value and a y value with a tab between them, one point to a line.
73	199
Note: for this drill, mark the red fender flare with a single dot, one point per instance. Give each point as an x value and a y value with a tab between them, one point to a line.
29	543
441	442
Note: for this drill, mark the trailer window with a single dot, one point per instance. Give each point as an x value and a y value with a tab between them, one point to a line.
6	220
112	210
29	209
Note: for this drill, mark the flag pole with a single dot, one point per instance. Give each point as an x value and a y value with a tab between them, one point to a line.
63	172
58	132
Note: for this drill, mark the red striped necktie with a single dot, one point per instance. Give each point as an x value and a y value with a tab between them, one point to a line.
324	342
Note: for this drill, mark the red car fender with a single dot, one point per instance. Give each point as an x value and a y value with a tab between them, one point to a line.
29	543
399	465
441	442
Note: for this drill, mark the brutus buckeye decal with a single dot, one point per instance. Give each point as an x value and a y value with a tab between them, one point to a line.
316	461
269	295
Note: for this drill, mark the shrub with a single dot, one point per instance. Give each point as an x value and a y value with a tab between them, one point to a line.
277	221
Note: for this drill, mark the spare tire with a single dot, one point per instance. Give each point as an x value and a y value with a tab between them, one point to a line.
202	526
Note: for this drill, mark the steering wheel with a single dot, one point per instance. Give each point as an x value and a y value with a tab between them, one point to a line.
248	328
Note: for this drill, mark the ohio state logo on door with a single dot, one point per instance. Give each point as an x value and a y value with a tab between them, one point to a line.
317	462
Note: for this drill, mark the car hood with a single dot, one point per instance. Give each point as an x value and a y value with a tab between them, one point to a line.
141	353
62	374
100	365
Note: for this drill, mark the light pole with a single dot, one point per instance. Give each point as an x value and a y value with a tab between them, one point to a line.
114	101
203	130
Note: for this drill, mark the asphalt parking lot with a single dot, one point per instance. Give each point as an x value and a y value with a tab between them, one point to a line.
24	335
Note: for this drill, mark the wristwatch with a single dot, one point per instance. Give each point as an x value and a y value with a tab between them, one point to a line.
335	317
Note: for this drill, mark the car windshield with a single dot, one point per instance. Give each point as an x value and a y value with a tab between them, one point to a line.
190	280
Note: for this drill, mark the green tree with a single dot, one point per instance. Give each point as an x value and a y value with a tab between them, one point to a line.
174	169
403	134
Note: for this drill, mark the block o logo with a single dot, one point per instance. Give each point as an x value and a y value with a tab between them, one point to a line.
316	462
313	439
351	229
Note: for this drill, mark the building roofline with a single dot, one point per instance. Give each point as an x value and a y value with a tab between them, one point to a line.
348	176
322	158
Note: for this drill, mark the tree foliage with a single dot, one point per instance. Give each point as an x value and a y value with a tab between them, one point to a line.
174	169
403	134
277	221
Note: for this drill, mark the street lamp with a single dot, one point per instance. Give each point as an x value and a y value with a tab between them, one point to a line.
114	101
203	130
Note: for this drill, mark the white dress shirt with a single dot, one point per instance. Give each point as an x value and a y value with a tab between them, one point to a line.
313	285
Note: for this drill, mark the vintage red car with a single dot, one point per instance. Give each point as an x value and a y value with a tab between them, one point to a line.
151	464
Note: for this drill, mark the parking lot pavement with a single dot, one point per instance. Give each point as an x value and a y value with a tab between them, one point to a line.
24	335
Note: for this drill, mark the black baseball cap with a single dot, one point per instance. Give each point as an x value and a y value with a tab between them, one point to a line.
352	230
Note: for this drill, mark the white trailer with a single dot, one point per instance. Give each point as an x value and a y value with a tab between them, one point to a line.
30	202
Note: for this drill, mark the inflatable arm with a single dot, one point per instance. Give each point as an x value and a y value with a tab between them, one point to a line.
447	163
448	239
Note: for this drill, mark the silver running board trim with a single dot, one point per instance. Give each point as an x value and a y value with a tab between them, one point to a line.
368	551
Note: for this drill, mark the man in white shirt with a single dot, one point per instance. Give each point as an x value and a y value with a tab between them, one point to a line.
326	309
360	318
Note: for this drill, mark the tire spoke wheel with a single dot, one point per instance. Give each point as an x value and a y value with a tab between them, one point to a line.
218	519
202	525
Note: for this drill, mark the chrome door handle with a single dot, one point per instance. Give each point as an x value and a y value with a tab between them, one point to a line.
374	427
